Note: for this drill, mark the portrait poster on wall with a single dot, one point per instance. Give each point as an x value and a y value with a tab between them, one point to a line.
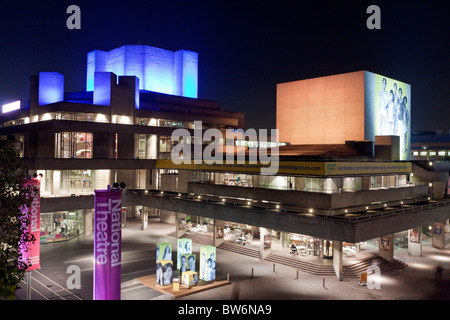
385	244
414	235
437	228
207	263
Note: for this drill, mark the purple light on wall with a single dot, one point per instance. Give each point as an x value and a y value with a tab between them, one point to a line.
107	244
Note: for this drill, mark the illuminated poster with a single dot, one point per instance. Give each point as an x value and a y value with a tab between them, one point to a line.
184	246
164	272
385	244
31	251
107	244
207	263
437	228
163	251
388	110
414	235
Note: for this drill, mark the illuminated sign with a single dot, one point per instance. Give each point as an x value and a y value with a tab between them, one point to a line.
158	70
107	244
299	167
11	106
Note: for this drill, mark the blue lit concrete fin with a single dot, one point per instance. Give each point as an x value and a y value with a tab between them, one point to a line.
51	87
102	87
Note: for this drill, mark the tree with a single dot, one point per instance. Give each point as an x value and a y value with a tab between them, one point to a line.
13	222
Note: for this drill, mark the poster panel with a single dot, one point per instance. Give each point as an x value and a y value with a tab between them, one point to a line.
107	244
163	251
190	278
207	263
31	251
385	244
437	228
164	272
184	246
187	262
414	235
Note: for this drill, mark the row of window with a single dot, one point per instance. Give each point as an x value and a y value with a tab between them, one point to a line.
431	153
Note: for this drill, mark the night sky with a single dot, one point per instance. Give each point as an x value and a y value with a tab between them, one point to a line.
245	47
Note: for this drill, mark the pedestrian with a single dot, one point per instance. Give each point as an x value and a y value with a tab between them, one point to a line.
236	291
438	273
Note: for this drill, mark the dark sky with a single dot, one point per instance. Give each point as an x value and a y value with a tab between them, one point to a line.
245	47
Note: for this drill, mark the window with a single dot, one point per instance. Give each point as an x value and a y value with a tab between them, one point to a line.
441	153
415	153
423	153
73	145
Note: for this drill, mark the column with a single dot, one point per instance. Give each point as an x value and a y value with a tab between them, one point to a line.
415	242
218	234
265	243
144	218
438	235
337	259
88	218
386	247
180	228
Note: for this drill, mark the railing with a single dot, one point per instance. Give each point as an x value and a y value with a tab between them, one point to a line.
213	199
314	190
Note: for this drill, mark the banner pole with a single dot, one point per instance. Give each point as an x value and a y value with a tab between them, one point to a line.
28	273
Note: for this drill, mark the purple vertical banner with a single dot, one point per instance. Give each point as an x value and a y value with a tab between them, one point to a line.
107	244
31	251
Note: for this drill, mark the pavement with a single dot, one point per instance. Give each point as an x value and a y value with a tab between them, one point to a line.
415	282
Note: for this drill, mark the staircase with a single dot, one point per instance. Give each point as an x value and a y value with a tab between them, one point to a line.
239	249
205	240
355	270
311	268
351	271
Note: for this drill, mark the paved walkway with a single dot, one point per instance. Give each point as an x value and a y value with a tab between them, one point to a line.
416	281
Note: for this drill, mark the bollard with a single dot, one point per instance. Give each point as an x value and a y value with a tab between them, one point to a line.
297	275
252	273
228	277
274	267
323	282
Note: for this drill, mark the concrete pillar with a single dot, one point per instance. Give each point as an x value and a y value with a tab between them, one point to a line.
438	235
366	184
265	243
181	230
337	259
386	247
218	235
152	146
144	218
88	219
415	242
